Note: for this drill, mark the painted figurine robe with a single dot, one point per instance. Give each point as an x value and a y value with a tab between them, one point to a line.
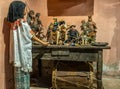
73	34
88	29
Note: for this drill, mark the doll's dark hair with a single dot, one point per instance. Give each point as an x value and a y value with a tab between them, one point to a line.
16	11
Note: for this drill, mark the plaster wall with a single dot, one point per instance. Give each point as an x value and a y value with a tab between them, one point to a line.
106	15
3	43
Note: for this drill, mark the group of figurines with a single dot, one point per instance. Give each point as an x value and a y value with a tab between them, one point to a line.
35	23
59	33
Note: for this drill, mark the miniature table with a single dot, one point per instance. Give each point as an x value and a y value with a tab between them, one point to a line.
74	53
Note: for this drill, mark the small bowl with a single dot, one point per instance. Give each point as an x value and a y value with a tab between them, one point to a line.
99	44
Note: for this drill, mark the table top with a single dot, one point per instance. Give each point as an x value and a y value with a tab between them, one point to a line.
70	47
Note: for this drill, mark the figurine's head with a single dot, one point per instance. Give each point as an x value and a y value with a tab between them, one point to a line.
17	10
62	22
51	26
90	18
72	26
31	13
37	15
83	21
92	25
55	19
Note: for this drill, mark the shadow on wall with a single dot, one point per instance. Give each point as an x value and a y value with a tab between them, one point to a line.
116	37
70	7
9	70
112	10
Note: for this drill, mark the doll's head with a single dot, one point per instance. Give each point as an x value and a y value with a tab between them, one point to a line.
16	11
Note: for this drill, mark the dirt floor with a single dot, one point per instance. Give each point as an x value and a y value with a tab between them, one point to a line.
109	83
43	81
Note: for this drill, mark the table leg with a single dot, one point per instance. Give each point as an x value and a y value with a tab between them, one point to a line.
99	70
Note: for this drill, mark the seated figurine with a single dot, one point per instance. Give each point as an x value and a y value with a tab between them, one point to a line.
39	27
30	17
72	35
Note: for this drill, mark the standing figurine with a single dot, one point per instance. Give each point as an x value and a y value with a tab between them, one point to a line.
21	37
84	34
88	34
63	31
92	30
84	25
49	33
56	24
55	31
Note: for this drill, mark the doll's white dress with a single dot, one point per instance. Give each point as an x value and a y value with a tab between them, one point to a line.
20	53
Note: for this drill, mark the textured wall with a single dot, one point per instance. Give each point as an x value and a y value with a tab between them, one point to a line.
68	7
107	18
106	15
3	42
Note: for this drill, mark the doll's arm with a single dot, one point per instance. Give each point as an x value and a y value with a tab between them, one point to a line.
38	40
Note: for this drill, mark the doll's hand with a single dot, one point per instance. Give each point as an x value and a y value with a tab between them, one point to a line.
46	44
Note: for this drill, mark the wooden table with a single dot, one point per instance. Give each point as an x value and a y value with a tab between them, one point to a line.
74	53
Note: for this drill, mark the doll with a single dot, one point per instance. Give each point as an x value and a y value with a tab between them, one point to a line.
21	37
